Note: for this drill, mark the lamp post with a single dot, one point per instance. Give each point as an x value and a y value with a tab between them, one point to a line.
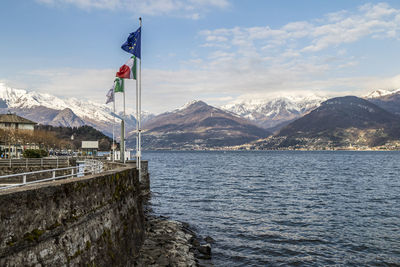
72	143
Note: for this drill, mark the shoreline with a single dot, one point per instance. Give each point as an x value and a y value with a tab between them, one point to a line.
172	243
249	150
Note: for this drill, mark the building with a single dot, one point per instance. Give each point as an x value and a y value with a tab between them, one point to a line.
11	124
13	121
90	147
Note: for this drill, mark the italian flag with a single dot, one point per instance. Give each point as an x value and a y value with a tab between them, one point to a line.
128	70
118	85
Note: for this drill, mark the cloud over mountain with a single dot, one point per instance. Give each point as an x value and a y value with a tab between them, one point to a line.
325	53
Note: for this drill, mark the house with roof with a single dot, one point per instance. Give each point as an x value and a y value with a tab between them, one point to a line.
10	125
13	121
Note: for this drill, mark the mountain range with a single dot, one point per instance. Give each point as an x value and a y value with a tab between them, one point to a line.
69	112
274	113
198	125
341	122
389	100
44	109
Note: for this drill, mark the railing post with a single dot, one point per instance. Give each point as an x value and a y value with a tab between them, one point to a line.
41	162
57	161
27	163
10	162
54	175
72	173
24	179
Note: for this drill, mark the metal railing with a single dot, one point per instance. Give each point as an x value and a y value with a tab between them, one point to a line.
84	168
32	162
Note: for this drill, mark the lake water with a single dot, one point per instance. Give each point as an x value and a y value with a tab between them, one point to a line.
279	208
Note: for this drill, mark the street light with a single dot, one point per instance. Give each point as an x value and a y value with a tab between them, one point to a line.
72	141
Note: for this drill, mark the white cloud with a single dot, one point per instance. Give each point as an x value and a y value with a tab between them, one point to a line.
181	8
336	16
164	90
334	29
69	82
248	62
299	56
377	11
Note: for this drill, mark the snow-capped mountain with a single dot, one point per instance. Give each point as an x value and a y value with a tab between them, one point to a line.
197	125
49	109
272	112
386	99
22	99
381	92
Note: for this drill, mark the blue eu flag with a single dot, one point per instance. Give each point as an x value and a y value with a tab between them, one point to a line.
132	45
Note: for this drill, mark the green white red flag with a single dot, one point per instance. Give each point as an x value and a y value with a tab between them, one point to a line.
119	85
128	70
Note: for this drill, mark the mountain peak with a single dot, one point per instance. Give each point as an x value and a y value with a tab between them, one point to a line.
193	103
67	118
354	103
381	92
344	100
199	125
49	109
271	112
339	113
23	99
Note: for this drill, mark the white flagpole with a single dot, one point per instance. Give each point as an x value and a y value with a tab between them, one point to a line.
113	143
139	156
123	141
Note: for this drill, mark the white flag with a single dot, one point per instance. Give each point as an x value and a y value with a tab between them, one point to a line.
110	95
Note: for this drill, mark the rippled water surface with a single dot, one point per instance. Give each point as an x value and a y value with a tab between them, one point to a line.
285	208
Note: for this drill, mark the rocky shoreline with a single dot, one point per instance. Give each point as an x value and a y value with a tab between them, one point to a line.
172	243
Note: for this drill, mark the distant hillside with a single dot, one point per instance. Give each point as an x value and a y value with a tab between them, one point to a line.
197	126
339	122
388	100
67	117
83	133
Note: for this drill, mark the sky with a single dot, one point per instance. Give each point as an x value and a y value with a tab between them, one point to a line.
218	51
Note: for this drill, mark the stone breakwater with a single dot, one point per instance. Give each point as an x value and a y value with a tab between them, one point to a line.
94	220
172	243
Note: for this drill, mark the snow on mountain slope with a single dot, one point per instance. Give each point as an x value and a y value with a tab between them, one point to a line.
72	112
22	99
270	112
381	92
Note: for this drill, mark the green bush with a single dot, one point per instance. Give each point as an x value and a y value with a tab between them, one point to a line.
43	153
34	153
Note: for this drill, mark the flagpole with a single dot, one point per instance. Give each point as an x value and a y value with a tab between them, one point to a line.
139	150
137	117
113	143
123	130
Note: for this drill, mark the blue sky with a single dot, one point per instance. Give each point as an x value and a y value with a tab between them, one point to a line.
219	51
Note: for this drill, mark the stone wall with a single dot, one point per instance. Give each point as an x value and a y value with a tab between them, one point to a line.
90	221
145	177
